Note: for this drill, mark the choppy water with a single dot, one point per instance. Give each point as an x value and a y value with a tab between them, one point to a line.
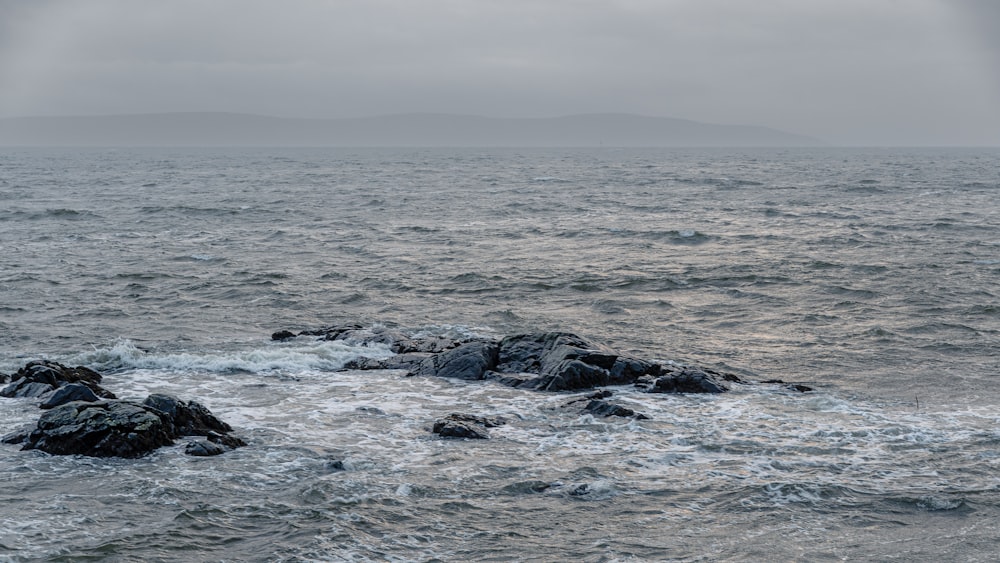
872	275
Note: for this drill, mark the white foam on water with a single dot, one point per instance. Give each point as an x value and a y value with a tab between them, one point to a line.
293	357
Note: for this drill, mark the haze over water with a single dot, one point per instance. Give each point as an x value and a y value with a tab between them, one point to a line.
868	274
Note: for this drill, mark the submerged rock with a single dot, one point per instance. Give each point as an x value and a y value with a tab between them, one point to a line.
458	425
203	448
283	335
598	407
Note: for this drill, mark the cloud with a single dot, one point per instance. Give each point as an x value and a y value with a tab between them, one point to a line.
879	71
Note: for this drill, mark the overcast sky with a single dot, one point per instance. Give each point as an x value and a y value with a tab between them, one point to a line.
847	71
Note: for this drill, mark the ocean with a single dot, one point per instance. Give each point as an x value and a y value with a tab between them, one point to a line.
870	275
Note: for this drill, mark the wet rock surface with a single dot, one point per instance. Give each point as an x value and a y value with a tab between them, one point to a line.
545	361
84	418
603	408
39	377
457	425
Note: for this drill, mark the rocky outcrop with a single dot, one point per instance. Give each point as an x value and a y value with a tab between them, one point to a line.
101	429
114	428
84	418
458	425
39	377
547	361
468	361
682	379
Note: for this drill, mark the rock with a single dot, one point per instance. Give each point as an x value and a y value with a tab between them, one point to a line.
203	448
792	386
408	362
335	465
18	436
188	418
564	362
549	361
40	376
466	426
467	361
68	393
283	335
113	428
688	380
84	418
598	407
102	429
24	389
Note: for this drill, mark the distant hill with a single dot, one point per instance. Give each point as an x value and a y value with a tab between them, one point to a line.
406	130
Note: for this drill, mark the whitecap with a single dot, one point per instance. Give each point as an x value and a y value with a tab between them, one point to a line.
286	357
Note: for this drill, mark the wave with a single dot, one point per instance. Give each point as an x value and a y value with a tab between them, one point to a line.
274	357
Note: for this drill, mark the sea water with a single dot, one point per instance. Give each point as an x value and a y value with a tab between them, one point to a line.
871	275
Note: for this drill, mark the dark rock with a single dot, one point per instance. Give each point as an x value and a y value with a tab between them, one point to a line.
68	393
187	418
40	376
332	333
4	378
203	448
403	344
602	394
283	335
466	426
511	379
792	386
124	429
102	429
688	380
467	361
227	440
25	389
550	361
598	407
527	487
18	436
409	362
78	421
525	353
565	362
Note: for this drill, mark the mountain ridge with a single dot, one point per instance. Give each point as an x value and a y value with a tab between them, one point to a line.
214	129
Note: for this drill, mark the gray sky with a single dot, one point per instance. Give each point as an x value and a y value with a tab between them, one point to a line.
847	71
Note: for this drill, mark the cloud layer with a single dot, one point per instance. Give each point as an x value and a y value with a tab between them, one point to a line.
849	71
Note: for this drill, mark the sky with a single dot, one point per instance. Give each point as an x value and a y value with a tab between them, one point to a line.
852	72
